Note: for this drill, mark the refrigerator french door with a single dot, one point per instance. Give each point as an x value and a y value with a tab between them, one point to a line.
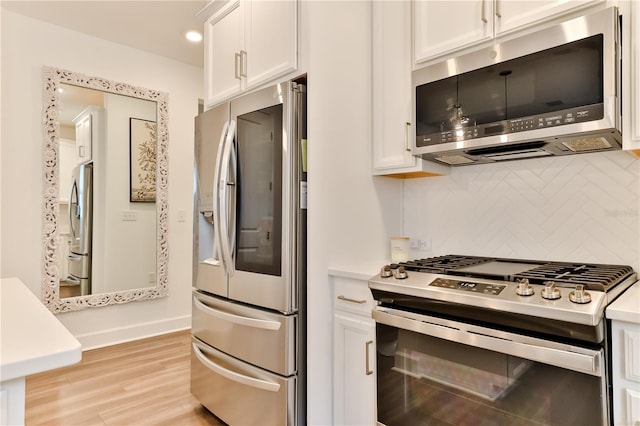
248	312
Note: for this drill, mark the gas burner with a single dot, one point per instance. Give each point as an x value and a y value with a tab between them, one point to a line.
591	276
443	264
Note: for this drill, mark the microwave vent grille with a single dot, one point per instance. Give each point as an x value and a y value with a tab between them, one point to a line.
455	160
587	144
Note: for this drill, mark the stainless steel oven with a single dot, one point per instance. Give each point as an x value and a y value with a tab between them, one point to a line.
464	340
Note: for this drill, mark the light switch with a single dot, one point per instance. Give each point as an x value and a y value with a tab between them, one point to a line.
129	216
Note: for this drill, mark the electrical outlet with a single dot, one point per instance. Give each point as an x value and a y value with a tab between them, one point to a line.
152	277
129	216
420	244
181	215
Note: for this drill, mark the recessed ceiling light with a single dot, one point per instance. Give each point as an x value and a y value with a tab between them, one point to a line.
194	36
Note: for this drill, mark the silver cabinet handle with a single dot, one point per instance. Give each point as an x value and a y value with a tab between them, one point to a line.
347	299
243	63
237	66
407	126
498	9
484	15
232	375
368	369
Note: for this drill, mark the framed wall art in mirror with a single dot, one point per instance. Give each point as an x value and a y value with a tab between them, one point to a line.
99	246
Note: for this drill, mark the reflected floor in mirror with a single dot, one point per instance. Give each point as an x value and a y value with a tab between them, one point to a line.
67	290
135	383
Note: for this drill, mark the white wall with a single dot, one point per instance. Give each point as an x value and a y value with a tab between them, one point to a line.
29	44
351	213
581	208
128	245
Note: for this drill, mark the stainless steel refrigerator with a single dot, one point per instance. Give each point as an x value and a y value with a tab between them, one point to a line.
248	316
81	227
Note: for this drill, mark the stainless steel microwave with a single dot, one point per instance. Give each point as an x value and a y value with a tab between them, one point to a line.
552	92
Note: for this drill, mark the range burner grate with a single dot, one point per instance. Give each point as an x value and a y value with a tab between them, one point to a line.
592	276
565	274
443	264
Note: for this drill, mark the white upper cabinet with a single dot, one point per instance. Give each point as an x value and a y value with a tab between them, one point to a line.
630	72
271	43
88	133
248	43
444	27
392	112
441	27
223	34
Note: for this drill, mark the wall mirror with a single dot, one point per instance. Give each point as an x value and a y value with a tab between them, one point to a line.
105	204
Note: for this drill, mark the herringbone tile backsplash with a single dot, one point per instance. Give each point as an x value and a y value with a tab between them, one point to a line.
576	208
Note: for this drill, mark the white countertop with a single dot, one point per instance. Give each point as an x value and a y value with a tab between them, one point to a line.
627	306
358	271
32	339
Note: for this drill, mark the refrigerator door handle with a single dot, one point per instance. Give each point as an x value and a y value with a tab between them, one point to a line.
216	205
232	375
74	191
223	199
237	319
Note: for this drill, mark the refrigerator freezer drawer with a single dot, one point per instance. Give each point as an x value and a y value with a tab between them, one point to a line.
262	338
238	393
79	265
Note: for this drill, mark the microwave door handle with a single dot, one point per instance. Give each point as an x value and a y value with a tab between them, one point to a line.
223	199
216	185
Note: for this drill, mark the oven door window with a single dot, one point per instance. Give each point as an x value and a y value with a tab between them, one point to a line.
424	380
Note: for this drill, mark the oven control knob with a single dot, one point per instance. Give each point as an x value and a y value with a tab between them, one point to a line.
550	291
579	295
400	273
523	288
385	272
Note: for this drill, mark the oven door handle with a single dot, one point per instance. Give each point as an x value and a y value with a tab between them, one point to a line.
561	355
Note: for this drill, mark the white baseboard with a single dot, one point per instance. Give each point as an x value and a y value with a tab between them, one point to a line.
135	332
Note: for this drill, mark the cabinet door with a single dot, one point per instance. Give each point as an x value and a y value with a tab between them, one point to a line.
223	53
392	112
630	70
442	26
83	140
354	390
270	40
511	15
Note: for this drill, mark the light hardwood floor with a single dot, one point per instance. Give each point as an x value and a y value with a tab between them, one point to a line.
145	382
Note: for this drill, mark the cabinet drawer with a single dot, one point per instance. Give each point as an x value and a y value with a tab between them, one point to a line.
352	295
217	379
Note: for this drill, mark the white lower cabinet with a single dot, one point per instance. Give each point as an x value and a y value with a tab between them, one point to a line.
354	354
626	373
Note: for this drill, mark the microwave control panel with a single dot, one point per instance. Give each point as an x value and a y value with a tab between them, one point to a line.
515	125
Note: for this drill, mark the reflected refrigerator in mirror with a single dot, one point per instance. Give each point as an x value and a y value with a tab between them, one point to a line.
249	324
81	227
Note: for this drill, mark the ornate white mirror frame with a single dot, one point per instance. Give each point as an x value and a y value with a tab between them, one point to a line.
52	79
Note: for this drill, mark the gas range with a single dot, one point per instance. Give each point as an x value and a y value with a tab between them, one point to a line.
561	299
